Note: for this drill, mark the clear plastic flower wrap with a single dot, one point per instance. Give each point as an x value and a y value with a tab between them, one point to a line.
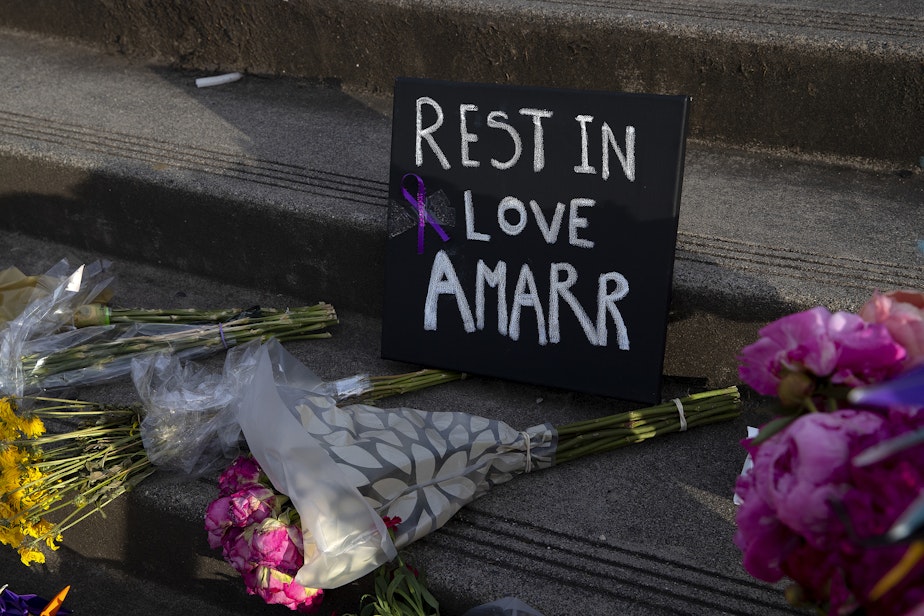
35	355
93	355
187	425
18	290
49	314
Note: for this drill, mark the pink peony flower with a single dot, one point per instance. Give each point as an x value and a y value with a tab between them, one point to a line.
867	353
277	545
237	550
252	525
902	313
787	525
838	346
276	587
765	542
243	473
797	472
227	516
250	506
809	466
217	521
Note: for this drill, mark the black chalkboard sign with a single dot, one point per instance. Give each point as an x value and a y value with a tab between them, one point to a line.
532	232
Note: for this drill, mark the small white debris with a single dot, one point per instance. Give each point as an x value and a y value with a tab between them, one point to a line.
217	80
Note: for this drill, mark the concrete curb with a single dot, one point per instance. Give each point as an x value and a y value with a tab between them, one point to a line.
805	78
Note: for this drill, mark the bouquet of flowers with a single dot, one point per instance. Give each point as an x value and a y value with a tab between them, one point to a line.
62	338
72	474
834	500
258	532
346	468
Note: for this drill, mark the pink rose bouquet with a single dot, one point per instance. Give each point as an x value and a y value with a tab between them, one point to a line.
259	534
834	501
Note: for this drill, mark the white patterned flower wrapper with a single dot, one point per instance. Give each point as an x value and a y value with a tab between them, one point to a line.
422	466
345	468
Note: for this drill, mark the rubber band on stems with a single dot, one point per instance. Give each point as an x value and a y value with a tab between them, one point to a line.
683	418
221	334
529	454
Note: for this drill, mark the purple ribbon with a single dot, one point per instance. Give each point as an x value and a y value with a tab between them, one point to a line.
423	216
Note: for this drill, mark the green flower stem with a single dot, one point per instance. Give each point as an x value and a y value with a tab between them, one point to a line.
104	430
384	386
73	519
71	470
62	404
97	314
593	436
86	486
297	324
64	414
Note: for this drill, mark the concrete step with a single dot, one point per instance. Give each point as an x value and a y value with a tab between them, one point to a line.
797	75
258	182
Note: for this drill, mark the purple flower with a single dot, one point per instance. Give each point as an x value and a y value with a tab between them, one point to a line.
243	473
840	346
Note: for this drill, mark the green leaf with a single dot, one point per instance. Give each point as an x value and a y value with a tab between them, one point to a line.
430	599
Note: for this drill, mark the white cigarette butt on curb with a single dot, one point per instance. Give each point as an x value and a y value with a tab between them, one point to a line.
217	80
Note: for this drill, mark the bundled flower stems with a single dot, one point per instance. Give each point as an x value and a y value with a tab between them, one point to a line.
49	363
64	334
70	475
89	315
593	436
